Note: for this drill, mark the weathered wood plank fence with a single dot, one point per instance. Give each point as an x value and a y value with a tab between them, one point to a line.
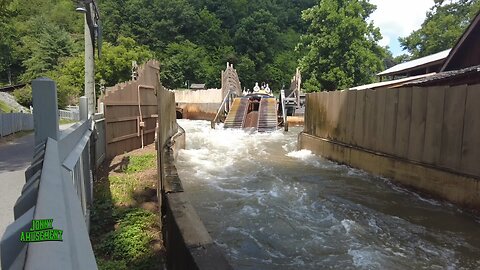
130	111
435	127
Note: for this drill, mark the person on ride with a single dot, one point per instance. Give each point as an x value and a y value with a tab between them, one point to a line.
267	89
256	88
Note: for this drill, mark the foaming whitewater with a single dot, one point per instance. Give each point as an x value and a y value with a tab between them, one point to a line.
271	206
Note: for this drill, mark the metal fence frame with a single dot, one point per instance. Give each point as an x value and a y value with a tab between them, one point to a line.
59	186
73	115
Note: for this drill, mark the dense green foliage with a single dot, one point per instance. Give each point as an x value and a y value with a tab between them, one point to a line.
445	23
340	47
194	39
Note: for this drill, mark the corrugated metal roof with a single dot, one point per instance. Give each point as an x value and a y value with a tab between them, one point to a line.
416	63
197	86
447	75
392	82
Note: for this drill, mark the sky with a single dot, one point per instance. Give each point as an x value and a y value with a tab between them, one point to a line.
398	19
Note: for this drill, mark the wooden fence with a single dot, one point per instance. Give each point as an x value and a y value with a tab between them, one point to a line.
438	125
130	111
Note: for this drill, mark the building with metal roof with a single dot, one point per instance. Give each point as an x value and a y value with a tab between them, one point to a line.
428	64
392	83
466	52
197	86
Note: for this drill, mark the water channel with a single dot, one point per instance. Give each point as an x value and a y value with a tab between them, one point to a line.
269	206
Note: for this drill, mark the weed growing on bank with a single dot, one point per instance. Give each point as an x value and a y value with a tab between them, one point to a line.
125	229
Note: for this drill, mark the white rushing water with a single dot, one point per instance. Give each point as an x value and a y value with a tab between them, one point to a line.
271	206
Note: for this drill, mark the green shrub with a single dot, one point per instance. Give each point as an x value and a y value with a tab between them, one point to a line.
24	96
131	240
111	265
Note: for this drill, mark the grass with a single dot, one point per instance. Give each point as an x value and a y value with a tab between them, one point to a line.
124	234
129	243
141	163
63	121
5	108
121	188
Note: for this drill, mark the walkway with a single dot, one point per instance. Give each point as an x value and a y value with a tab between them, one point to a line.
15	157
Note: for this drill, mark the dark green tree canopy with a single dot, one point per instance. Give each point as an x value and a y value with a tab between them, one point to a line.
193	40
246	33
340	48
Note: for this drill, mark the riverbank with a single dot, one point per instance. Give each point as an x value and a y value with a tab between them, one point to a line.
125	222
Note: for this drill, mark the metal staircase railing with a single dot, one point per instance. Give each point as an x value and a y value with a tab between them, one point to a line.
284	113
224	106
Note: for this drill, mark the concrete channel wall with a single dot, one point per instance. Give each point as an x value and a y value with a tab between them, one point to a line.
188	244
427	138
199	104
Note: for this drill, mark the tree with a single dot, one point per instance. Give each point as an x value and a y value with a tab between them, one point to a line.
46	48
443	26
340	47
115	66
183	62
256	36
246	72
69	76
7	32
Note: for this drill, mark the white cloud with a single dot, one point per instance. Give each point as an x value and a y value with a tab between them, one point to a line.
385	41
398	18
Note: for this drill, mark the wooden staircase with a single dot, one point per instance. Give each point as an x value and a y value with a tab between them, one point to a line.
267	119
237	113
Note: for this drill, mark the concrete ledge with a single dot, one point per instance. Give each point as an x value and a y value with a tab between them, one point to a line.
187	241
458	188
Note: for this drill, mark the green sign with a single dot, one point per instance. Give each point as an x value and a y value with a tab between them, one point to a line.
42	230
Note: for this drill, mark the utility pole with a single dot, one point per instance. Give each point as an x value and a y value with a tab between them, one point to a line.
89	66
90	11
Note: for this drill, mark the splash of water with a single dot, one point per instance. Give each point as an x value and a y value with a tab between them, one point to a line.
271	206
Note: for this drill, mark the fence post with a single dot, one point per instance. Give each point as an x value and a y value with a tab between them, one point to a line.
101	109
45	114
83	108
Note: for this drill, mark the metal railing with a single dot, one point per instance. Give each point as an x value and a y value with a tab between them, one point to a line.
224	107
59	187
284	113
73	115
